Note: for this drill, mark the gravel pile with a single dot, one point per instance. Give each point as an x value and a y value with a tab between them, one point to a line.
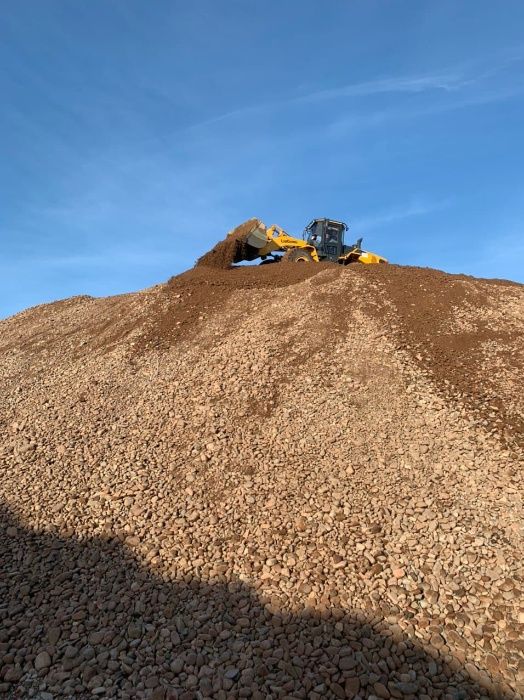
265	483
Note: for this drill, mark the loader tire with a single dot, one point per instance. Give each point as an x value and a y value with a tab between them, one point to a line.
297	255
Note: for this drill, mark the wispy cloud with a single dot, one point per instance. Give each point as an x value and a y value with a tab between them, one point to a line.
367	223
446	82
469	83
408	84
397	113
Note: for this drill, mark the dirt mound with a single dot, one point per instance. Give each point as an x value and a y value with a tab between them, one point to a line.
266	482
230	250
463	332
186	302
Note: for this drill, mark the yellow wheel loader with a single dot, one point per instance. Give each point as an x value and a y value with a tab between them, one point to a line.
322	240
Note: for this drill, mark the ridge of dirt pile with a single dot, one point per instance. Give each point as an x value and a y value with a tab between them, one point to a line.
299	481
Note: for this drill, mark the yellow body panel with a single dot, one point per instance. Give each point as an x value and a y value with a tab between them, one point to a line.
366	257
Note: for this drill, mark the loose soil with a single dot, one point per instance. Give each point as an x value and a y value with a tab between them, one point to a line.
230	250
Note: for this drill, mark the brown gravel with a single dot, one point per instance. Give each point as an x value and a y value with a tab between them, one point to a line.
466	334
270	482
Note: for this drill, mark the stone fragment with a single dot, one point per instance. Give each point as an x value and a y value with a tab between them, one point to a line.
42	660
352	686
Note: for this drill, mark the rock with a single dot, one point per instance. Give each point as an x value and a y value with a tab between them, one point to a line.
338	690
406	688
70	652
381	691
152	682
352	687
491	662
12	674
232	674
53	635
437	640
300	524
42	660
346	663
177	665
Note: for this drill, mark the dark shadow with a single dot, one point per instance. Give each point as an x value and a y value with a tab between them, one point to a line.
96	623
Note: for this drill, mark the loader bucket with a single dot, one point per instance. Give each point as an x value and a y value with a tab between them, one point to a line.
245	242
250	241
258	237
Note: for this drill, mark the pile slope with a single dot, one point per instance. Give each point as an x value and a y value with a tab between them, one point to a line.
268	482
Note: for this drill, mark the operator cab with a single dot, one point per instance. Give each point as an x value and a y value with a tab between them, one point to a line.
327	236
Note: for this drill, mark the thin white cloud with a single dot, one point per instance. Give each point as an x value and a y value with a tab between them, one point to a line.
411	84
368	223
474	99
453	82
446	82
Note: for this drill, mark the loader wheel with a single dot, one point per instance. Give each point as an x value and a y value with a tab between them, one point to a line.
296	255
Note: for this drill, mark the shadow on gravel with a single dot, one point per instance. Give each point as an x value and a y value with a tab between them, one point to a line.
85	619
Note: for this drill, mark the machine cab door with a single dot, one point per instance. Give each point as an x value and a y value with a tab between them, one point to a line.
333	239
328	238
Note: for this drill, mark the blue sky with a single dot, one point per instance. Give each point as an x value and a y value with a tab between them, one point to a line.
134	134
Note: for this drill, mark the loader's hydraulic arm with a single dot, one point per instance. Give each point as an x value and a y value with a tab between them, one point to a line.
283	241
262	242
